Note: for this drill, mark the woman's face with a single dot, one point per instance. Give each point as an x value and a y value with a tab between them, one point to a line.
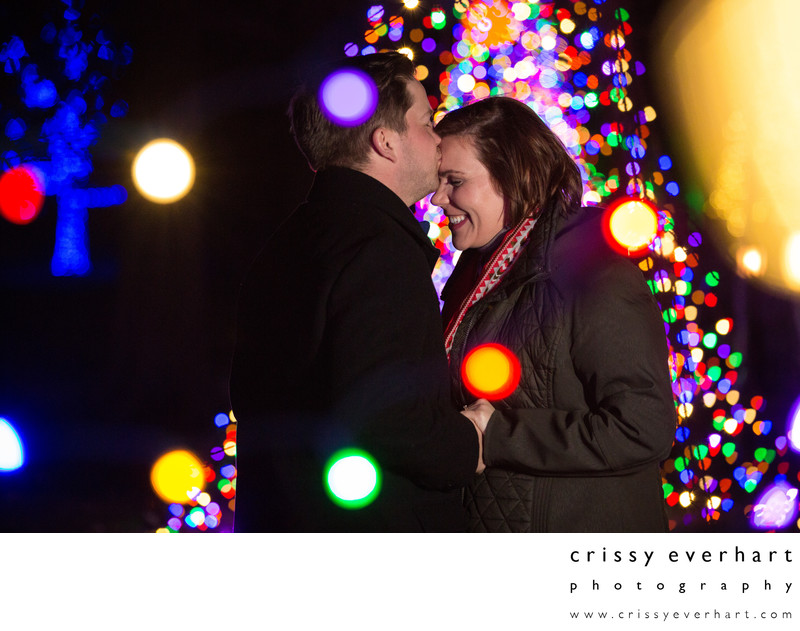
468	195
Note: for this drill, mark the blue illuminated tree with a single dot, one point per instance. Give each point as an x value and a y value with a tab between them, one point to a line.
59	116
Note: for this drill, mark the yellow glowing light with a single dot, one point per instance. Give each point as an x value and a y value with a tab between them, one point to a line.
724	326
621	65
567	26
521	10
527	68
680	255
750	261
548	42
625	105
633	224
176	476
730	425
229	446
686	499
792	260
163	171
510	75
668	247
493	26
407	52
591	197
421	72
411	4
490	371
730	127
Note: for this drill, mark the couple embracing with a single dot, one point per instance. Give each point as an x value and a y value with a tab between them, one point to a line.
341	343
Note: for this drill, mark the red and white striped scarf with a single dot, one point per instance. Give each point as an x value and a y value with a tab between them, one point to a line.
493	271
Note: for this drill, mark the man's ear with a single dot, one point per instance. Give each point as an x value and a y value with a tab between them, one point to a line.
385	143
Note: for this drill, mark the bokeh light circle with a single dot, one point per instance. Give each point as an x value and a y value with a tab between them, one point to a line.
775	508
176	475
631	224
352	478
348	97
490	371
21	194
750	261
12	454
793	427
163	171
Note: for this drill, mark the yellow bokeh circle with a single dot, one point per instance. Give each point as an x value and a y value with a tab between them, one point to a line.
490	371
177	476
163	171
633	224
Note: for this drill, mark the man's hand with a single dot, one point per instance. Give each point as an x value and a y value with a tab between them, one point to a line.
479	413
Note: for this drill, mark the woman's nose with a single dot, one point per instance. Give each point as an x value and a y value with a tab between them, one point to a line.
439	197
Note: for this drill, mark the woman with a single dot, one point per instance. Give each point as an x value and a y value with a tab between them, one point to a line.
577	445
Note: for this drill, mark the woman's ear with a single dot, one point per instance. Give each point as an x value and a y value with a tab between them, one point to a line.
385	143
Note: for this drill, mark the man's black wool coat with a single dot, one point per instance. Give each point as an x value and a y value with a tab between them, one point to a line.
339	344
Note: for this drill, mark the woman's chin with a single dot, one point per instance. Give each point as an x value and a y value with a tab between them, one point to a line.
459	244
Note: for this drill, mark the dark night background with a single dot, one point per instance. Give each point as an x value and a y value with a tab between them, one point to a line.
102	374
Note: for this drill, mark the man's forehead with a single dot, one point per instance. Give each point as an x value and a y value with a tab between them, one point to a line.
420	104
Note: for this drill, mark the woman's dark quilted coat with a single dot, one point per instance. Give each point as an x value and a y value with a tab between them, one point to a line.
577	446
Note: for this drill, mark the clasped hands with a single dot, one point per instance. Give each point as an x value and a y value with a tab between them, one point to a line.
479	413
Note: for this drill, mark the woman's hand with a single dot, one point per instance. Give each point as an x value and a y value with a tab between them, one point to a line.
479	413
481	464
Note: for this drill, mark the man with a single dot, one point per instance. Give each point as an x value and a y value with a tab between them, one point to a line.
339	338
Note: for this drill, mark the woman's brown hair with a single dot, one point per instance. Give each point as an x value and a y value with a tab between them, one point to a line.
527	161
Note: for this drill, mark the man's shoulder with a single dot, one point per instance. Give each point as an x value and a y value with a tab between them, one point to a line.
324	238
